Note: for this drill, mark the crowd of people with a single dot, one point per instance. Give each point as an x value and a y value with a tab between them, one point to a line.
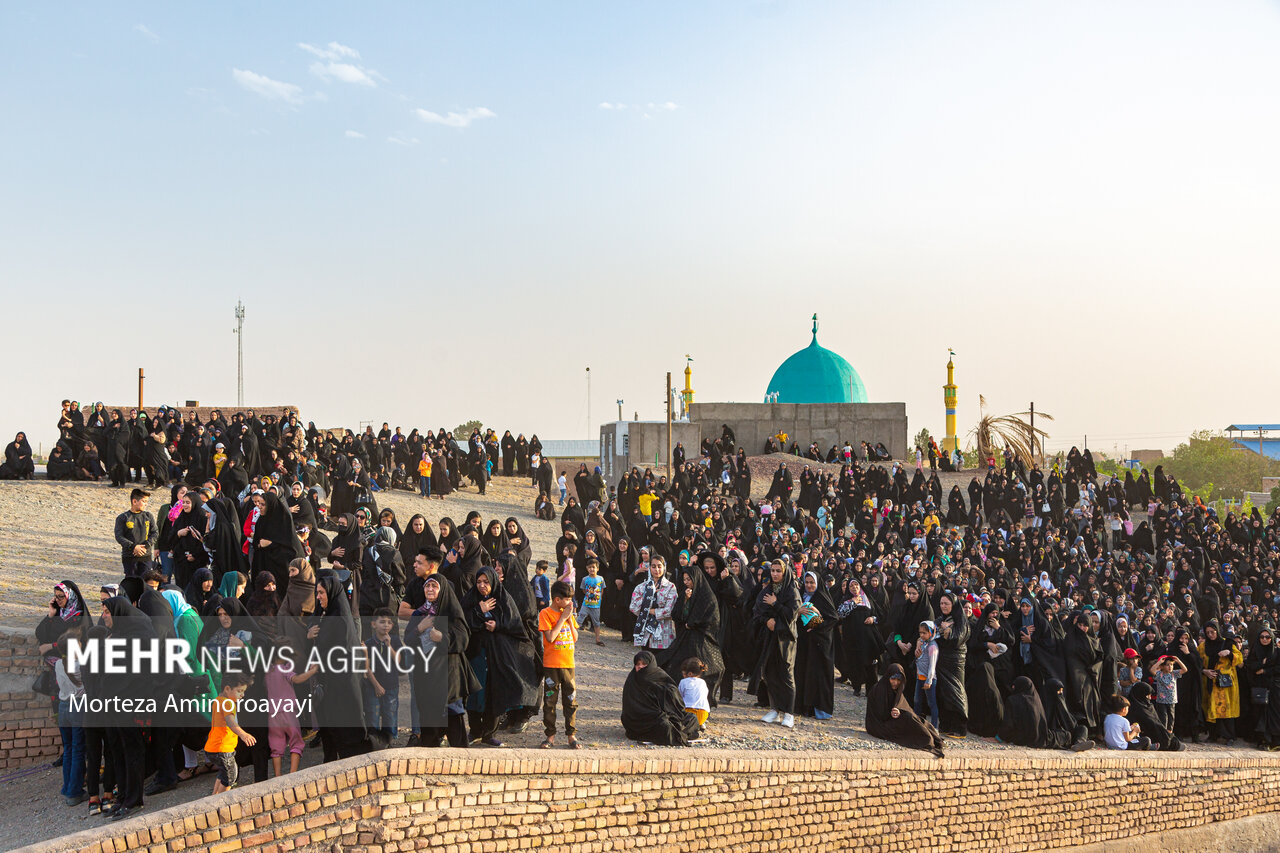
168	447
1031	610
270	537
1028	608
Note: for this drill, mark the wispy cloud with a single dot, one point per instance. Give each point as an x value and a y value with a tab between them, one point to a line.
354	134
338	65
333	50
146	31
646	109
343	71
452	119
263	86
402	139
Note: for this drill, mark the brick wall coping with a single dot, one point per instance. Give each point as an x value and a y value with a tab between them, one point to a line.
381	770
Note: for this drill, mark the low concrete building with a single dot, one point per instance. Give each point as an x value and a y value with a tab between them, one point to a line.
805	423
1146	458
814	396
565	454
644	445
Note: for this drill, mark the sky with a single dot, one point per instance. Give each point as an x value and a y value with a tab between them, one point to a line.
437	212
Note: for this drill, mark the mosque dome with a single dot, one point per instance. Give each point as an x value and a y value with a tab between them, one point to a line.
816	375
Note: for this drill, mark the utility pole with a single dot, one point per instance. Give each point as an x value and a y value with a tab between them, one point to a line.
140	378
620	402
1033	433
588	402
668	423
239	330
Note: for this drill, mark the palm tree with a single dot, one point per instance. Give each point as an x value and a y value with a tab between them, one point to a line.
994	432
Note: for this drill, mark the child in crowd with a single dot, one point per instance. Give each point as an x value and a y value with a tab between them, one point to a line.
1168	669
563	484
1119	733
646	500
283	732
693	690
1130	671
559	634
927	672
382	676
225	732
424	474
567	571
592	590
541	584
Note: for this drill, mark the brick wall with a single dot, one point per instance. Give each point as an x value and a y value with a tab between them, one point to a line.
477	802
28	727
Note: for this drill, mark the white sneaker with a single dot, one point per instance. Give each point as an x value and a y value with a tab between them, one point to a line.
769	717
788	721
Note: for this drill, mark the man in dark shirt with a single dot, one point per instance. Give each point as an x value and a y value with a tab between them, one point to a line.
136	533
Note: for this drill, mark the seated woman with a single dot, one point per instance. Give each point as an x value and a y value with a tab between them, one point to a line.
60	465
1143	712
1025	723
652	710
543	508
18	464
88	464
890	717
1063	725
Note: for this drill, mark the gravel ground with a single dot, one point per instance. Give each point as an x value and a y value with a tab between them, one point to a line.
58	530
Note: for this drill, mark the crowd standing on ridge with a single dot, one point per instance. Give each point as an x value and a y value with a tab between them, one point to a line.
1029	608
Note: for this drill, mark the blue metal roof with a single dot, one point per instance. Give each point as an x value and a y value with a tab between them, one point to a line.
1268	447
571	448
1253	427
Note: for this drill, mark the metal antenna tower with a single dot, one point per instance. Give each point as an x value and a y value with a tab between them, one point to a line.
239	330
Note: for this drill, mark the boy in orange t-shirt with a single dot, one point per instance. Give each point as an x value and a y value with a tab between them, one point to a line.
559	634
225	732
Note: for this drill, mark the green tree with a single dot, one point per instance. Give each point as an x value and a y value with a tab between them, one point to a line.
922	440
1108	467
1212	463
1274	503
462	430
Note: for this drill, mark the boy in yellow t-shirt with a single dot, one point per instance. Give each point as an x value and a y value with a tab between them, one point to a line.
559	634
424	475
225	732
646	500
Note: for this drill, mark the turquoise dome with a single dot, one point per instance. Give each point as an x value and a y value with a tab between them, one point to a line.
816	375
